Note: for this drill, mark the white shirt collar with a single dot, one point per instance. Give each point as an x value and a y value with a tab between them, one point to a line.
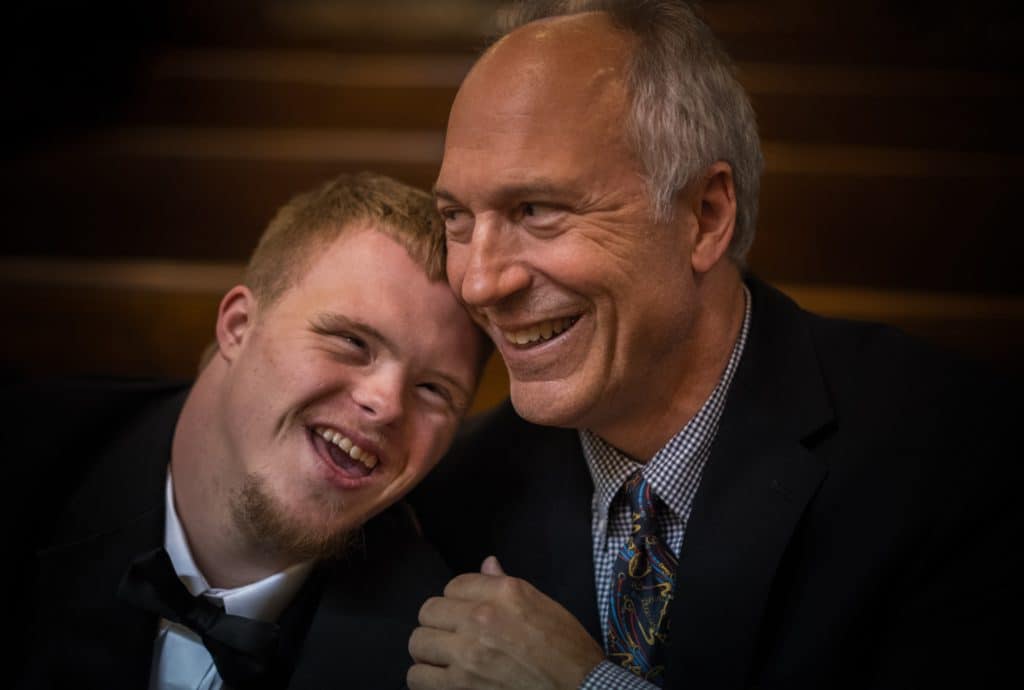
262	600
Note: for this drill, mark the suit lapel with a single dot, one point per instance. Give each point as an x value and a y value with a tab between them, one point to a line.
365	609
117	512
548	540
758	480
347	646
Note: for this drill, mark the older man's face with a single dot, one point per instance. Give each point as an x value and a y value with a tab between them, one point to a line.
550	237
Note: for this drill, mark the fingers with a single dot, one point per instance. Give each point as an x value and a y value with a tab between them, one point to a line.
423	677
444	613
491	566
486	587
432	646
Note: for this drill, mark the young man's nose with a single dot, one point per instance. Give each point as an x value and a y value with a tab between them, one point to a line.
379	395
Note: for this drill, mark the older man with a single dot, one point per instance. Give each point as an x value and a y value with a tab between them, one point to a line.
209	535
739	494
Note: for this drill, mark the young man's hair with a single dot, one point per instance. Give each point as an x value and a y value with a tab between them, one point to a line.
311	221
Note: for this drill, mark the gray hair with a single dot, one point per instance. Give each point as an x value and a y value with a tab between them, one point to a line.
688	110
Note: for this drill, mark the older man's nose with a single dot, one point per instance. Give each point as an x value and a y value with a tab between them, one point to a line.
488	268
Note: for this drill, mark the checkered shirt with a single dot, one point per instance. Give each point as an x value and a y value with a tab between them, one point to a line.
674	474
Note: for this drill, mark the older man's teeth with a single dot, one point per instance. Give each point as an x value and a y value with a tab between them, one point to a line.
353	451
539	332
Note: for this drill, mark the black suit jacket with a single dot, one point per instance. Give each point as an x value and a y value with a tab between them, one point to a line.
100	469
855	526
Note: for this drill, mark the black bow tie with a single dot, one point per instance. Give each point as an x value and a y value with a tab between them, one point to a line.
243	649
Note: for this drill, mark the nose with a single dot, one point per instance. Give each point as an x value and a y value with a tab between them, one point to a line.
488	267
379	393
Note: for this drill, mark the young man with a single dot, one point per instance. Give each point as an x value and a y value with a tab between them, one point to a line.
343	365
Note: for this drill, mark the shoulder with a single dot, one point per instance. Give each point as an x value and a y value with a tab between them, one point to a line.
57	429
926	433
390	567
498	451
877	374
498	469
79	402
60	419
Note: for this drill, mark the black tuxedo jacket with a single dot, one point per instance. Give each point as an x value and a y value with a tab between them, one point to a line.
855	525
99	470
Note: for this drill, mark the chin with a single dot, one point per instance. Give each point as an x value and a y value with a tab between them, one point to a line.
293	531
547	403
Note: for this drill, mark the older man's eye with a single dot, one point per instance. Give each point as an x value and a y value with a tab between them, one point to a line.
538	211
458	223
540	217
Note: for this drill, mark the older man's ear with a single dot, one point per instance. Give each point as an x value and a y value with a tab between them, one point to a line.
713	205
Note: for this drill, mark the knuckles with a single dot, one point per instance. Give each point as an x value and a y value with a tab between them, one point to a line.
484	614
513	589
477	659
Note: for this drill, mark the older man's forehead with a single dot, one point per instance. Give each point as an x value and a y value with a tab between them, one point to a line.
585	50
520	89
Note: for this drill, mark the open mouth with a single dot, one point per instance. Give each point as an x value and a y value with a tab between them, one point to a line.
352	460
540	333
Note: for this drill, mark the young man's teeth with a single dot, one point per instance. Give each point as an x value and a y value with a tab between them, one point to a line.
540	332
354	451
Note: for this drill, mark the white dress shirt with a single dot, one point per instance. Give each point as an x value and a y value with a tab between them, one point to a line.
180	661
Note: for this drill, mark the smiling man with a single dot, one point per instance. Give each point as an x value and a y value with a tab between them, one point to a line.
696	484
343	366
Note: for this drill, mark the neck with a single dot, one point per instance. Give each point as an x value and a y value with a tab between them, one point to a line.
680	388
205	486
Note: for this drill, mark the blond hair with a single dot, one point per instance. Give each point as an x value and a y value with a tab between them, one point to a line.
316	218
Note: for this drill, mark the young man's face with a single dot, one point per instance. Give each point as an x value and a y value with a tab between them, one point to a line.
345	392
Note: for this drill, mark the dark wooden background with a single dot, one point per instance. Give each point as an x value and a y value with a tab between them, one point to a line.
147	144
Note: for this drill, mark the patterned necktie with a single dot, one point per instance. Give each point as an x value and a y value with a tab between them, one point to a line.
643	576
243	649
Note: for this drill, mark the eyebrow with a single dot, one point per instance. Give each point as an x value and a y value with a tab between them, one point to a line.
537	188
332	323
442	193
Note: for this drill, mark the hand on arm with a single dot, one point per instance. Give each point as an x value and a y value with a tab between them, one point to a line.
490	630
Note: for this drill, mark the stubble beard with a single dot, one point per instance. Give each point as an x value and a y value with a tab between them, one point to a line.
260	516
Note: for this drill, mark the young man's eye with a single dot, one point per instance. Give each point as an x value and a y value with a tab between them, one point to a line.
436	391
352	340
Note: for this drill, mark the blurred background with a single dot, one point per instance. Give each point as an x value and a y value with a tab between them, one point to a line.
146	145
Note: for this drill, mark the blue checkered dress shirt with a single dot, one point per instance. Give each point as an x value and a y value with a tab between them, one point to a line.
674	473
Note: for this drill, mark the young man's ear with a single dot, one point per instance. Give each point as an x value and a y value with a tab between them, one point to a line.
234	320
714	206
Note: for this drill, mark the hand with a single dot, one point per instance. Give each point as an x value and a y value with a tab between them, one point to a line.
490	630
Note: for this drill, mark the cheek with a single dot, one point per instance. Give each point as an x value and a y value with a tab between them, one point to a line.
455	266
428	440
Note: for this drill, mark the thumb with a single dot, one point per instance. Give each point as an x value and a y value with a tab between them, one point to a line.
491	566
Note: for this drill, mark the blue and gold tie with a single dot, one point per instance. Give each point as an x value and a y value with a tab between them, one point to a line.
643	577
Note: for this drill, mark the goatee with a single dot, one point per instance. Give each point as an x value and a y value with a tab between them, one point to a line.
259	515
